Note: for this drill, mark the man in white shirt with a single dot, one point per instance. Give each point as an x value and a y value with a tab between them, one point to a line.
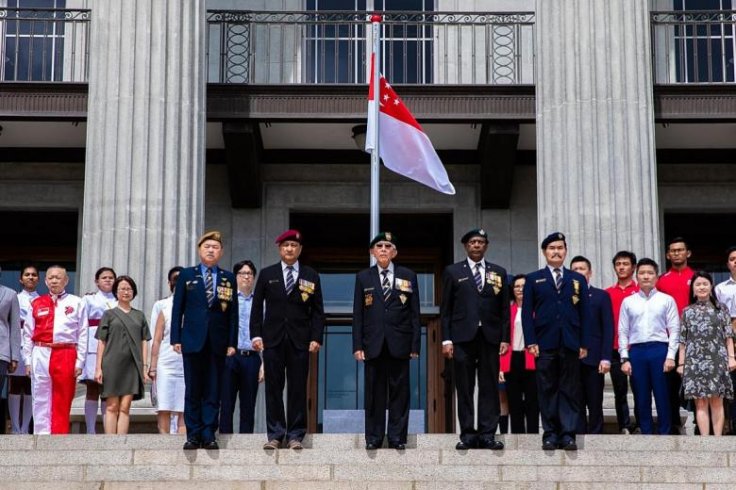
648	336
726	294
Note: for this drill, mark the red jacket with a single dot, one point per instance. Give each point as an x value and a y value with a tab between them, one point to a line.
530	362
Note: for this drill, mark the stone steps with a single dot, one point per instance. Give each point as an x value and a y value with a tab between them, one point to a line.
339	461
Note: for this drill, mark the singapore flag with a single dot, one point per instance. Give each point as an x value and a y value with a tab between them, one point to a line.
403	146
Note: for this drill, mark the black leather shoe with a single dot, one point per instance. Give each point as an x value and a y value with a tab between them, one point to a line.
549	445
569	445
211	445
491	444
191	444
463	446
371	446
399	446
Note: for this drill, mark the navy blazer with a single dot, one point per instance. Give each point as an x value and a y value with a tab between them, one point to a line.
193	321
600	345
553	319
394	321
300	314
463	307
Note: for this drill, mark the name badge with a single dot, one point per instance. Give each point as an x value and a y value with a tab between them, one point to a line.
540	280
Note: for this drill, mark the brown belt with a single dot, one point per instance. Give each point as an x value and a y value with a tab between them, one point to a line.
57	345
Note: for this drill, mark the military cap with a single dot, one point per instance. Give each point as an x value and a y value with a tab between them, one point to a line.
210	235
293	235
384	236
553	237
478	232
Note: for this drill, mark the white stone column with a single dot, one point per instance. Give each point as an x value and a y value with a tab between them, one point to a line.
144	175
596	163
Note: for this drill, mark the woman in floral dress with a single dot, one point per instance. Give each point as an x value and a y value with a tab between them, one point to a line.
706	345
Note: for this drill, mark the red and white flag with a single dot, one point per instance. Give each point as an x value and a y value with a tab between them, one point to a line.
403	145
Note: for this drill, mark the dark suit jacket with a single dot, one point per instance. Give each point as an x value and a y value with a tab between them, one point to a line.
463	306
193	321
553	319
300	315
600	345
395	321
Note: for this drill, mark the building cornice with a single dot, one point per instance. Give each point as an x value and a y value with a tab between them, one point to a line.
435	103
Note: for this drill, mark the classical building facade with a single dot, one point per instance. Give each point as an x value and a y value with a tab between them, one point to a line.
127	131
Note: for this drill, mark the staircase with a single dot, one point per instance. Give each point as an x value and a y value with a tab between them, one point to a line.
149	461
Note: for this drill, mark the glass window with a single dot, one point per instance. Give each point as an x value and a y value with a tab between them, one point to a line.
34	41
11	275
340	380
337	51
704	45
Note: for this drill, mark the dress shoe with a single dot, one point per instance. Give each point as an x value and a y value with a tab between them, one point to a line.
295	444
549	445
490	444
191	444
463	446
371	446
272	444
569	445
212	445
399	446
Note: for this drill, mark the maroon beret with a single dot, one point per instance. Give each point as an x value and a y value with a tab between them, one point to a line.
289	235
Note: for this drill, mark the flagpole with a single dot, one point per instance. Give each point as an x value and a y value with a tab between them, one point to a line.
375	158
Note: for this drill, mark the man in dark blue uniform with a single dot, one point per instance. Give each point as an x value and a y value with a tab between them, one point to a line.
556	317
287	333
386	333
204	325
475	330
598	361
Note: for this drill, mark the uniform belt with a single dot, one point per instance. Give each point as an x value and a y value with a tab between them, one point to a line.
57	345
247	353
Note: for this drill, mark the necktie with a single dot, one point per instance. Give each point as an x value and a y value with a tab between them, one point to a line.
289	279
558	278
208	286
478	277
385	285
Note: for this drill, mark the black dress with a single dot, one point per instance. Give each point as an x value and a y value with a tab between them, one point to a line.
122	366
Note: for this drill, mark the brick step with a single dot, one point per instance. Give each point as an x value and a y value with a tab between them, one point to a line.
340	461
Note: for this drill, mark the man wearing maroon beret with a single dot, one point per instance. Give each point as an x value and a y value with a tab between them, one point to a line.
290	329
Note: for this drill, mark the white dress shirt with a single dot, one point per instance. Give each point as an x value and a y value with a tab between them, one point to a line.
285	271
648	318
482	267
726	294
390	269
518	340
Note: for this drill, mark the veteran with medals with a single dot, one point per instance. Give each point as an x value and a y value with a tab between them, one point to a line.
386	335
289	329
475	331
204	326
556	319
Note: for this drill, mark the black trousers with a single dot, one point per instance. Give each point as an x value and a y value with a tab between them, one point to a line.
674	383
386	387
240	381
202	384
620	384
558	382
285	363
591	400
521	390
480	358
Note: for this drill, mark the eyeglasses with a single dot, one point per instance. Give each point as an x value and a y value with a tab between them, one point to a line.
245	274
